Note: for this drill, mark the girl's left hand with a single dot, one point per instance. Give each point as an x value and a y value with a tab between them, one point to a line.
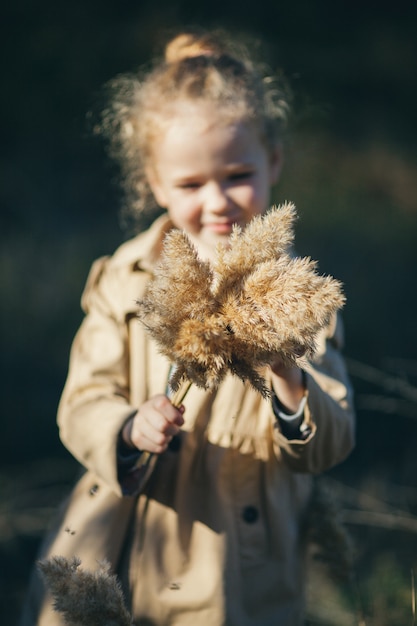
288	384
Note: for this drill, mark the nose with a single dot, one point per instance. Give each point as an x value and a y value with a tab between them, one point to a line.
216	199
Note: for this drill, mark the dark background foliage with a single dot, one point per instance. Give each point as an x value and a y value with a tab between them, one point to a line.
350	169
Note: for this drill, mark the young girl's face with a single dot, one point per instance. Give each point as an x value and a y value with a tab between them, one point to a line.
210	175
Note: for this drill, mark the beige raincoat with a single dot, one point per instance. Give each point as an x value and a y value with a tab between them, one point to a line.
214	535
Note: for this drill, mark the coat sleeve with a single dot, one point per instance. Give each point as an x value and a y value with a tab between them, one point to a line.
329	413
95	403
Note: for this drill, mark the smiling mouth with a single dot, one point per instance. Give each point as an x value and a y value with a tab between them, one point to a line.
221	227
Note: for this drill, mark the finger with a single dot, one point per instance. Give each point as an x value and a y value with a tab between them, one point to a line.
161	424
151	425
172	414
147	436
150	445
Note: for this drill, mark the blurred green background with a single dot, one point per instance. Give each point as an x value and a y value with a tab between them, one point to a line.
351	171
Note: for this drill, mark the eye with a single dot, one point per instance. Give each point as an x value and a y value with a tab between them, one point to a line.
191	185
236	176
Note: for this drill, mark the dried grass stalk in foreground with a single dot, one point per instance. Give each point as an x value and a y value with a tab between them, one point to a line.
255	304
83	597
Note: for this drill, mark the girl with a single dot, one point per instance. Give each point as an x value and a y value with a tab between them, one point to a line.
214	535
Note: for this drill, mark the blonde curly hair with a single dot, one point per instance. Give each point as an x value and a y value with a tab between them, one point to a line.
198	67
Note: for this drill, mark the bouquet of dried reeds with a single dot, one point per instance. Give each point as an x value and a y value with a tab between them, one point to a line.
257	303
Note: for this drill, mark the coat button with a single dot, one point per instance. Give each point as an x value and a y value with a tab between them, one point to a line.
93	490
250	514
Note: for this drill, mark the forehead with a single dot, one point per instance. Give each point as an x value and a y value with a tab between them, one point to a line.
192	128
201	115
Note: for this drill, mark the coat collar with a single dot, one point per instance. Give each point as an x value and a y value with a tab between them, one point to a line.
143	251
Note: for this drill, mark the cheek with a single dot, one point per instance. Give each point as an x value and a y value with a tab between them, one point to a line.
253	197
262	194
185	212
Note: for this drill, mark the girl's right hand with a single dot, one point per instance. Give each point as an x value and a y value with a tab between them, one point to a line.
154	425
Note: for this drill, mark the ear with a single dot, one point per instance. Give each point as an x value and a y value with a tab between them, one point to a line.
156	187
275	163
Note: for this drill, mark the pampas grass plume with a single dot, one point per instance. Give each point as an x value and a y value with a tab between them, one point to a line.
83	597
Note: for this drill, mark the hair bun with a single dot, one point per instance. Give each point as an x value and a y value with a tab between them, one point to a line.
188	45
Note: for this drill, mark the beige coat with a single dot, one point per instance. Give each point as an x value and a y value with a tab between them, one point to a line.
214	536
